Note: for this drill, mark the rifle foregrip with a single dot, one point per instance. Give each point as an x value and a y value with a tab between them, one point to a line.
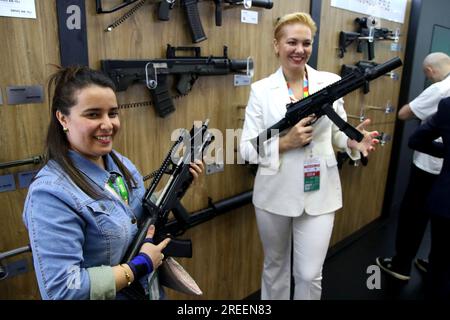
161	98
178	248
195	24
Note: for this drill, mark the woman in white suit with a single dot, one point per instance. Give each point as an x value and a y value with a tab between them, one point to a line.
297	187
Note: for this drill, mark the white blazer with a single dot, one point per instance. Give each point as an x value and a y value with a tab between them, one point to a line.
279	180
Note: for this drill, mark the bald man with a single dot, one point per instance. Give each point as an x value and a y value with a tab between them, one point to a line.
413	217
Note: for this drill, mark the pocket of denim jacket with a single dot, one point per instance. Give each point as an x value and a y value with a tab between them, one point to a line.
108	221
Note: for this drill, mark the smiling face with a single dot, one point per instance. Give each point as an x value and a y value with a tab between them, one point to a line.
92	122
294	48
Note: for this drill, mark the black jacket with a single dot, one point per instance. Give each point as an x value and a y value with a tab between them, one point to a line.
422	140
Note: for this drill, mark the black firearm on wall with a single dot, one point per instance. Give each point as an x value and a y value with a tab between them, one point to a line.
366	31
363	65
158	206
154	73
189	7
191	11
321	102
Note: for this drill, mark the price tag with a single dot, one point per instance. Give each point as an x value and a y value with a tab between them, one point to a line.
248	16
311	170
242	80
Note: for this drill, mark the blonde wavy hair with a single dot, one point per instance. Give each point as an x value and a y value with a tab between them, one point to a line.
292	18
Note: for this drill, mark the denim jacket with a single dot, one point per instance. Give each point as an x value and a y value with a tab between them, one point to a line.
76	239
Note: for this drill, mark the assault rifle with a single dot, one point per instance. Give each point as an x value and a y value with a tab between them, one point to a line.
321	102
191	10
154	73
366	31
363	65
157	208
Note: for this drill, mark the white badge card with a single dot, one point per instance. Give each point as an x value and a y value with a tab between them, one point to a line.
311	170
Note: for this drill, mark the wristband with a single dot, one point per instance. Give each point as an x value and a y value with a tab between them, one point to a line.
141	265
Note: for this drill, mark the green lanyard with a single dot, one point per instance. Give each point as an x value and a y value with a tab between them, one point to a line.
123	192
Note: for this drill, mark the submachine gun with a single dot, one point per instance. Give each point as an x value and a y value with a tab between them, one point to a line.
321	103
158	207
366	31
154	73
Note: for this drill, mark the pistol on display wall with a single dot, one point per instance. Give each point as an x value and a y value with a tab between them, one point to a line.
366	31
154	73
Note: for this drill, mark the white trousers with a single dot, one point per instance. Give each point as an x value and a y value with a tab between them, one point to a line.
311	238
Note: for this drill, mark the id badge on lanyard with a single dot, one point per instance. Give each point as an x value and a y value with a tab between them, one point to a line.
311	172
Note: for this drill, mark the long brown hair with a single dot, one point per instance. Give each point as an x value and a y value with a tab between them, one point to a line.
67	82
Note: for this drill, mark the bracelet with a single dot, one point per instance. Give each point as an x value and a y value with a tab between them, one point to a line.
127	275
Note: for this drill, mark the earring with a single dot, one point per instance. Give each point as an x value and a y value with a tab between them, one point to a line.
65	130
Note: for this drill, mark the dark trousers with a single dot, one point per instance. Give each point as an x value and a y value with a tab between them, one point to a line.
413	218
439	276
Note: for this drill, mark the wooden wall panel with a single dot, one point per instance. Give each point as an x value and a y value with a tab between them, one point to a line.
227	258
28	47
363	187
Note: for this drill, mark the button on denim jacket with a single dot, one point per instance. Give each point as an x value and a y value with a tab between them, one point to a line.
76	239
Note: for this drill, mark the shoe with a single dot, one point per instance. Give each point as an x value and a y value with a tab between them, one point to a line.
386	265
422	265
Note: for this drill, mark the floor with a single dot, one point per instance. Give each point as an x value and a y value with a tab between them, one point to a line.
347	274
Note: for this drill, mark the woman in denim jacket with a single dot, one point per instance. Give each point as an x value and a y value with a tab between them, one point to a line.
82	208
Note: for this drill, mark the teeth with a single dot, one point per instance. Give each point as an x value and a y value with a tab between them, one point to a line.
103	138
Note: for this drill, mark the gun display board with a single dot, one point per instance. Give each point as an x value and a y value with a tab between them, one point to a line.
145	137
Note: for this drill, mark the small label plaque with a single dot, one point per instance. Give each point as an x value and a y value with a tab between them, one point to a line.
25	94
7	183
